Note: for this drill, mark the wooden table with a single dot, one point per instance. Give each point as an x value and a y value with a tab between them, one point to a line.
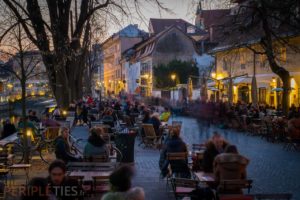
89	175
24	167
91	166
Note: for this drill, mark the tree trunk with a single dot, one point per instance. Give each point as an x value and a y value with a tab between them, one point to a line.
26	139
286	92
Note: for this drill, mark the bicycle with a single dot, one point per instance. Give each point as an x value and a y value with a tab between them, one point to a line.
45	149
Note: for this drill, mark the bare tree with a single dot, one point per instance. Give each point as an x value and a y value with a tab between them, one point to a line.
268	24
59	28
18	49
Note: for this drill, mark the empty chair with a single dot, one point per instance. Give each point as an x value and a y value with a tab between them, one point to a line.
183	187
150	138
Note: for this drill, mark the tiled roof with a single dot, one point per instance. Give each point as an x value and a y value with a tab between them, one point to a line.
160	25
212	17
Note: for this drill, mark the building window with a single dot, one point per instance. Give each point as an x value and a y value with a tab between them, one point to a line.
262	93
263	61
225	67
243	61
191	29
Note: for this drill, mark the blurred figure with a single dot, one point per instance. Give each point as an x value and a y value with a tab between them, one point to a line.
63	147
294	127
154	120
37	188
230	165
164	117
33	117
214	147
96	146
56	113
8	129
120	181
61	186
47	122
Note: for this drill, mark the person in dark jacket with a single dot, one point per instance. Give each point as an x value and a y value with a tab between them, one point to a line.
60	186
37	188
96	146
8	129
230	165
214	147
63	147
174	145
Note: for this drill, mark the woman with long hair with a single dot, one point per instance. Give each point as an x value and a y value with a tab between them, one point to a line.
63	148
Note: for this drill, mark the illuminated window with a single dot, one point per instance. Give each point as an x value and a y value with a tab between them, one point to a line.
283	54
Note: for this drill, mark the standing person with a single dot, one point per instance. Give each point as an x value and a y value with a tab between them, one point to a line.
8	129
214	147
230	165
61	186
154	120
56	113
63	147
120	181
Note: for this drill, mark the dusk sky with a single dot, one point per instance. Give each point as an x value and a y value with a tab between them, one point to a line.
184	9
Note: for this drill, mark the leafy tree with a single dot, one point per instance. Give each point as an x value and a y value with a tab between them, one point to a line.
182	70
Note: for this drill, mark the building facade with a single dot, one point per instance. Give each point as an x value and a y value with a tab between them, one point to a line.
113	48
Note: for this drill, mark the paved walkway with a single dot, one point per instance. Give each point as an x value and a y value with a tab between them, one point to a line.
273	169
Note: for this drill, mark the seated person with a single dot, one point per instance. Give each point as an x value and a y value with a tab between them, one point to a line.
214	147
230	165
154	120
8	129
146	118
164	117
96	146
63	147
29	126
174	145
60	186
294	127
37	188
121	186
47	122
33	117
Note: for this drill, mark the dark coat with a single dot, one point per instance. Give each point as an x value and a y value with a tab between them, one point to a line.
174	145
229	166
209	156
8	129
62	151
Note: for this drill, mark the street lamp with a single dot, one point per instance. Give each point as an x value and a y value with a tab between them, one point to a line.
173	77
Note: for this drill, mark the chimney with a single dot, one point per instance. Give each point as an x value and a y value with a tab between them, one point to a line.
211	33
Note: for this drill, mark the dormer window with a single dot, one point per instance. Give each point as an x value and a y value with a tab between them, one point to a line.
191	29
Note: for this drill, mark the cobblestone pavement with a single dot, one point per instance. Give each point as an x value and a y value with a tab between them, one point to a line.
273	169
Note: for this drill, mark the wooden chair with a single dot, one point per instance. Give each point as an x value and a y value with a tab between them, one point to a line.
100	184
2	191
273	196
51	133
176	169
183	187
79	179
198	147
236	197
150	138
226	186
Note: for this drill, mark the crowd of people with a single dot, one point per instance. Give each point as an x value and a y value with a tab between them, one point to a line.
241	116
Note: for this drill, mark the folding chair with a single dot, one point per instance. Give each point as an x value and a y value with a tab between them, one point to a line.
183	187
